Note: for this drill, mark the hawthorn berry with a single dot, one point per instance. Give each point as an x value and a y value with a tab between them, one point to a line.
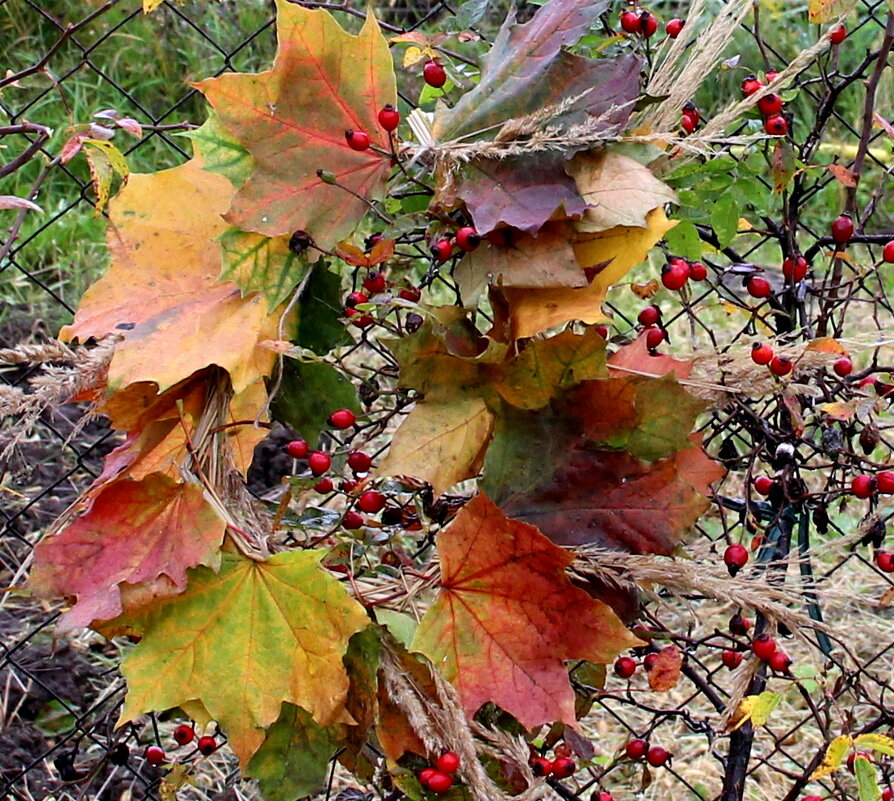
698	271
884	561
811	798
371	501
563	767
439	783
184	734
389	117
424	775
360	320
324	486
763	647
763	484
735	557
779	661
448	762
888	252
657	756
648	24
375	282
354	299
675	274
467	238
357	140
604	795
863	486
739	625
411	294
688	124
207	745
625	667
731	659
759	287
750	85
887	794
297	449
342	418
771	76
541	766
843	366
154	754
319	462
884	481
842	229
442	250
434	74
636	748
654	337
780	365
837	35
352	520
770	105
359	461
649	316
690	110
630	22
674	27
794	269
649	661
761	353
776	125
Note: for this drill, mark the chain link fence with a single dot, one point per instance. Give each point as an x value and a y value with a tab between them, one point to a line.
65	61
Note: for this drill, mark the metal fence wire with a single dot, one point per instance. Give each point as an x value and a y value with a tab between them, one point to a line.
65	60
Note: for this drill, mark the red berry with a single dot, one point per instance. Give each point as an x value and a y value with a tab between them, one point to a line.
843	366
688	123
698	271
625	667
154	755
636	749
207	745
357	140
779	661
359	461
674	275
731	659
442	250
604	795
355	298
630	22
888	252
759	287
842	229
761	353
563	767
184	734
467	238
795	269
352	520
297	449
371	502
884	560
884	481
750	85
434	74
781	366
540	766
770	105
648	24
602	330
389	118
763	484
853	758
439	783
375	282
424	775
657	756
863	486
649	662
811	798
735	558
360	320
674	27
411	294
776	126
649	316
324	486
319	462
448	762
887	795
343	418
654	337
838	35
763	646
771	76
739	625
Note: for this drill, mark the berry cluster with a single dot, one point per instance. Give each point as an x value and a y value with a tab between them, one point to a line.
638	749
466	238
183	735
678	271
770	105
561	766
865	485
438	778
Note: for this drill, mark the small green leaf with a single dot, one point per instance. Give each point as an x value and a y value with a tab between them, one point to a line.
683	240
867	781
725	218
401	625
876	742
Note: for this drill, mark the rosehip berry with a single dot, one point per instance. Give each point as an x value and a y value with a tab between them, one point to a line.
207	745
771	76
843	366
297	449
540	766
750	85
888	252
354	298
440	783
625	667
731	659
604	795
811	798
763	647
690	110
649	316
735	557
794	269
424	775
359	461
636	749
352	520
761	353
630	22
674	275
770	105
360	320
324	486
442	250
357	140
837	35
674	27
779	661
648	24
739	625
863	486
884	481
342	418
184	734
842	229
654	337
657	756
887	795
371	502
154	755
389	118
448	762
467	238
375	282
884	560
649	662
759	287
434	74
776	126
563	767
688	124
780	365
764	484
411	294
319	462
698	271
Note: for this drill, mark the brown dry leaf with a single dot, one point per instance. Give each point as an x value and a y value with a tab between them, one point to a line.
843	174
645	290
827	345
664	668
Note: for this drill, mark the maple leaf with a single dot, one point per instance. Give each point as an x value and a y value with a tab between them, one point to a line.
292	120
161	294
133	532
243	642
507	618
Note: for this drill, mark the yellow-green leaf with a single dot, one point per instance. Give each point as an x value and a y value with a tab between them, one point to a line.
756	708
867	781
104	160
875	742
833	757
820	11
